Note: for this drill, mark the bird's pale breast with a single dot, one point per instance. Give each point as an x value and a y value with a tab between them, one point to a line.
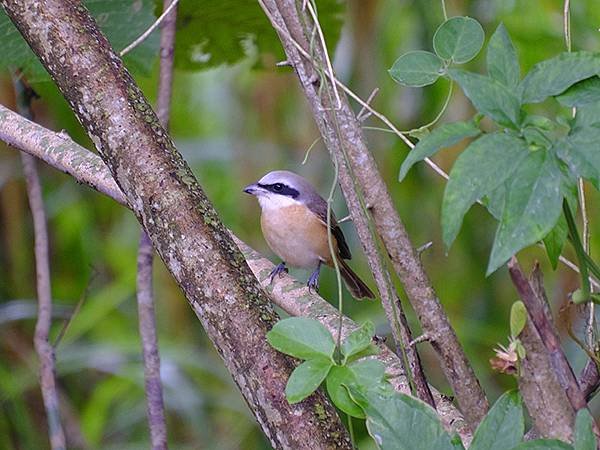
296	235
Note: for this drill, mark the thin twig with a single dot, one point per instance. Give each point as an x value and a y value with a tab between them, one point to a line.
363	114
145	293
147	325
147	33
41	340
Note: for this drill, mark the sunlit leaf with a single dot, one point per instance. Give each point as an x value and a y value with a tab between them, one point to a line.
358	340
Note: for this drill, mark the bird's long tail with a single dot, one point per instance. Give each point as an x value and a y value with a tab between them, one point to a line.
356	286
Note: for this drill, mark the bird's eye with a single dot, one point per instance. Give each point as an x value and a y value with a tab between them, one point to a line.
278	187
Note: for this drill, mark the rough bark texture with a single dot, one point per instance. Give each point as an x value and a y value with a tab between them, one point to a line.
174	211
292	296
589	379
343	137
546	401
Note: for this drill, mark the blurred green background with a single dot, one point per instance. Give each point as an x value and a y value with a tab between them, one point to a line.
233	123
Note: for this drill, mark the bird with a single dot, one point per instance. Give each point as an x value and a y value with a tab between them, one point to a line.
294	224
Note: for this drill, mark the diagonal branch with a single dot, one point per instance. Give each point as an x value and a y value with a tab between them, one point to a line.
343	137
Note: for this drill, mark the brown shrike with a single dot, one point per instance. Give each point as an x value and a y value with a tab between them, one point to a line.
294	224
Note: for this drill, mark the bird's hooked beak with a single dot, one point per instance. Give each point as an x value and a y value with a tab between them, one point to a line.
253	189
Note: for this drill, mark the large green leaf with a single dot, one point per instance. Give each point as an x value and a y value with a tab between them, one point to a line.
532	208
306	378
556	75
584	438
478	171
121	20
358	340
554	241
543	444
213	33
581	152
502	61
582	93
417	69
302	338
458	39
503	426
400	422
443	136
489	96
587	115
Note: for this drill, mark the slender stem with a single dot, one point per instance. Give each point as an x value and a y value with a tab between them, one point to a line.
579	251
41	340
149	31
444	10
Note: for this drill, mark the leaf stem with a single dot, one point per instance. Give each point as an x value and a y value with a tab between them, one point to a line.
444	10
579	251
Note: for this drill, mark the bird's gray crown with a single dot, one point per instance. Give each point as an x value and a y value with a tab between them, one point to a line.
288	183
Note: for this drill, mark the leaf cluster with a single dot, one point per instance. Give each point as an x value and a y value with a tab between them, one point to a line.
525	166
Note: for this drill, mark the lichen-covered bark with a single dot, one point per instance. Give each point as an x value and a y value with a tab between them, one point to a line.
184	228
343	137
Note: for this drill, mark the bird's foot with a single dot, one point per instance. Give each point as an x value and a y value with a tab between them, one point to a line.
313	280
278	270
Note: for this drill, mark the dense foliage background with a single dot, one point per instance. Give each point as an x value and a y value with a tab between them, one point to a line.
233	123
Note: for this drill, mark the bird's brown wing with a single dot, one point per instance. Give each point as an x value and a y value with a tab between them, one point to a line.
319	206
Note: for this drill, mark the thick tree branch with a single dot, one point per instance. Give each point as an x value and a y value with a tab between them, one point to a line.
41	339
343	137
292	296
533	295
182	223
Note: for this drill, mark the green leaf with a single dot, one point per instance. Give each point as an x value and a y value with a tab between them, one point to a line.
533	206
582	93
358	340
584	438
477	172
587	115
489	96
306	378
400	422
121	20
458	39
213	33
502	61
580	151
443	136
518	318
554	241
503	426
302	338
543	444
556	75
494	202
338	378
417	69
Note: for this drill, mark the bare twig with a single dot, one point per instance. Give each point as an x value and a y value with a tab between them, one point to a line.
41	340
533	296
363	114
359	164
149	31
147	324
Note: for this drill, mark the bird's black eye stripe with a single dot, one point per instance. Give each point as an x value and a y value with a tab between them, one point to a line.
281	189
